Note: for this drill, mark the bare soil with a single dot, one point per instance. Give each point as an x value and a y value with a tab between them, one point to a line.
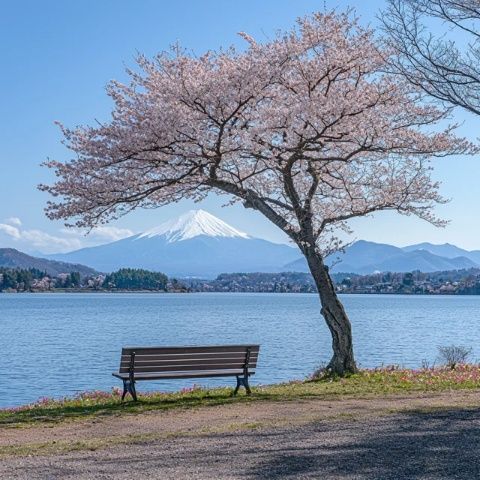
413	436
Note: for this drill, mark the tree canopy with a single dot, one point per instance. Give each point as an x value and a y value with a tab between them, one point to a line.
443	61
306	128
309	128
135	279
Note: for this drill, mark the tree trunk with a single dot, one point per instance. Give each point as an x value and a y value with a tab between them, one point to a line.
337	320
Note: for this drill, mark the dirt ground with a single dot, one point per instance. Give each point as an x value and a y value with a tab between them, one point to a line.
432	436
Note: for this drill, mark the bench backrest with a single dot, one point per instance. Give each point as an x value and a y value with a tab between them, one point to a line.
189	359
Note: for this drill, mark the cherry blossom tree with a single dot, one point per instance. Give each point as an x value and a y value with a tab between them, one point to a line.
305	128
443	58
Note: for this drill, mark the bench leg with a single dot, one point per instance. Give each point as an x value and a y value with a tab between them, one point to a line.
133	392
129	387
242	381
125	389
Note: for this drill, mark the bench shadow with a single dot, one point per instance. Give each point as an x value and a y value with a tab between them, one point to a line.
58	413
116	407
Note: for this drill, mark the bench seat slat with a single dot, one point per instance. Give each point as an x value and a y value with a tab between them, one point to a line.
140	357
161	364
140	362
183	368
174	375
190	349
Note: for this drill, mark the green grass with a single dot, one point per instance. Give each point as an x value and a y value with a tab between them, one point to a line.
376	382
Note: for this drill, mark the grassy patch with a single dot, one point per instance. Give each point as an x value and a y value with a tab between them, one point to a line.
366	383
56	447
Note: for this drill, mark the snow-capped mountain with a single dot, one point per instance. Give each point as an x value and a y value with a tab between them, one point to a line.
192	224
196	244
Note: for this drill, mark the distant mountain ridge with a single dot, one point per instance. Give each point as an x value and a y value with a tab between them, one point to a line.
364	257
197	244
11	258
446	250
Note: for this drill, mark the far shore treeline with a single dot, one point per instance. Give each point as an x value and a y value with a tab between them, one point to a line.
454	282
34	280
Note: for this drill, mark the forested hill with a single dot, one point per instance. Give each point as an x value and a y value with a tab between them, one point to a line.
11	258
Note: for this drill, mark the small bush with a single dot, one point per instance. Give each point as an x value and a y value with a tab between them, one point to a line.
454	355
320	372
426	365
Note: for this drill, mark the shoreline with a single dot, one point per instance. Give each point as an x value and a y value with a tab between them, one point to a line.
386	294
367	382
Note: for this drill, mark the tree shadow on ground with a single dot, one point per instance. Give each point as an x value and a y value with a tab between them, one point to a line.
415	445
439	444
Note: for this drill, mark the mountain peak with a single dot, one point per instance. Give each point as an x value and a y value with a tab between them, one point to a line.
192	224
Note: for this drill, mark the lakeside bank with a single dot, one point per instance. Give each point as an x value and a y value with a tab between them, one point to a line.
178	435
367	383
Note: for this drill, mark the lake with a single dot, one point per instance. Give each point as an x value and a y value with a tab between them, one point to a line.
60	344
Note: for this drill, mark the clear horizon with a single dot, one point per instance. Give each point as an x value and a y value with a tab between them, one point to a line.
59	58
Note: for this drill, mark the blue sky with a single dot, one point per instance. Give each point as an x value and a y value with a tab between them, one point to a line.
56	58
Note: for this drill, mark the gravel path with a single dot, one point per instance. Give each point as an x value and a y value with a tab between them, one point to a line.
364	441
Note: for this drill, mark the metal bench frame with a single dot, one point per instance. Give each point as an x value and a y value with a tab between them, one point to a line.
129	378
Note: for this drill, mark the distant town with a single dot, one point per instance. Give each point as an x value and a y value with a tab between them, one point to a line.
452	282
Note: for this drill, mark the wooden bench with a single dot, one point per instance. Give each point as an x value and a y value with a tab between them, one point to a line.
164	363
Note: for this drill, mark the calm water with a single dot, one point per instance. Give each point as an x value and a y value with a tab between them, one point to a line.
59	344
